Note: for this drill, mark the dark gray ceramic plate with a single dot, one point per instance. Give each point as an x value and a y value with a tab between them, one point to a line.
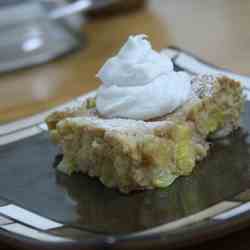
41	207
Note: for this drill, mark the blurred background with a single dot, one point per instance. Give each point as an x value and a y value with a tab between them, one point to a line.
50	50
34	32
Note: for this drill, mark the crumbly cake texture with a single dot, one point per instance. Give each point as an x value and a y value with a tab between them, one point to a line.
134	155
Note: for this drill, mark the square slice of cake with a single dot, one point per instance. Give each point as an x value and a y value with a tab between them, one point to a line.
132	154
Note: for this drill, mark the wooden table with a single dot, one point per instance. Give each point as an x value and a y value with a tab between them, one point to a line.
216	30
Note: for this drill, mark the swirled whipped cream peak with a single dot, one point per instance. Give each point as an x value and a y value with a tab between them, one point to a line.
140	83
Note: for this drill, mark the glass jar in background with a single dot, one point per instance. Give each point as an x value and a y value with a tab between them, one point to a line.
36	31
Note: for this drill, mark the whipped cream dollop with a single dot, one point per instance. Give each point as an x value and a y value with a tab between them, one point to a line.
140	83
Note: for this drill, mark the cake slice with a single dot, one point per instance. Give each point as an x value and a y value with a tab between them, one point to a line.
133	155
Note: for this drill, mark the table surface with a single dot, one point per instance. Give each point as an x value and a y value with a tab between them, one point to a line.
216	30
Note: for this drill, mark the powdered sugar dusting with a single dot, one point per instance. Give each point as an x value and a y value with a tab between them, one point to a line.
118	124
202	85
